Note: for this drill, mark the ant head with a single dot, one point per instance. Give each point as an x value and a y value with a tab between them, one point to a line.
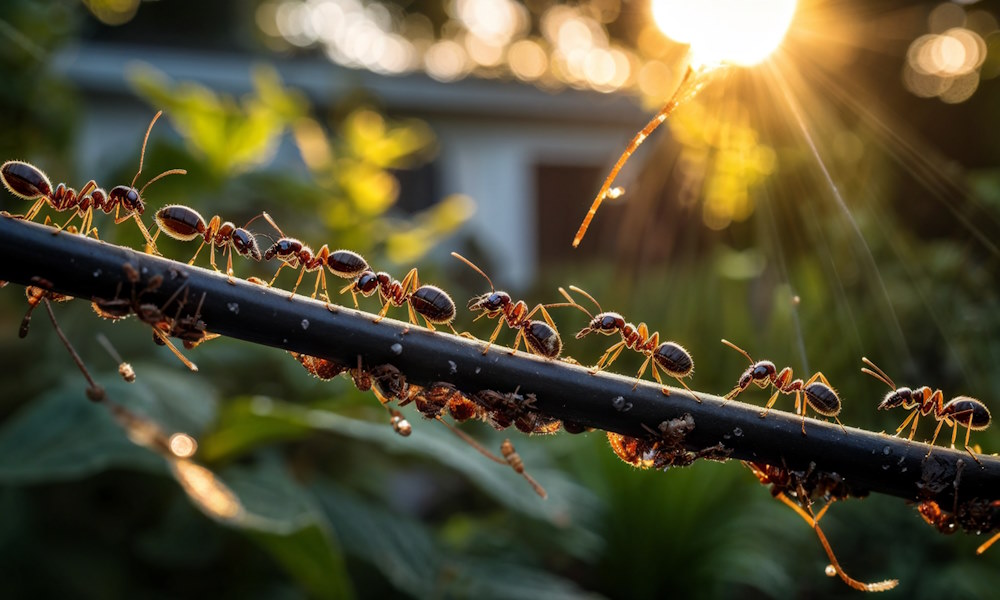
285	249
899	397
245	244
490	302
606	323
129	198
367	283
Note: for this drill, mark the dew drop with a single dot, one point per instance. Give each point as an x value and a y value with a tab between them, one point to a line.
738	432
885	467
478	370
305	323
98	272
887	450
452	367
618	402
234	307
830	571
396	348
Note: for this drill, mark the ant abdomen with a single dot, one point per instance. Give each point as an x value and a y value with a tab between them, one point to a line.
542	339
180	222
674	359
823	399
967	411
346	264
434	304
25	180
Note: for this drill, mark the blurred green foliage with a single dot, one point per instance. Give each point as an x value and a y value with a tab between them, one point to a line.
333	503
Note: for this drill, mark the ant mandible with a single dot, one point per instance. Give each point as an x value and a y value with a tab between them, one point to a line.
27	181
961	410
669	356
541	338
818	392
185	223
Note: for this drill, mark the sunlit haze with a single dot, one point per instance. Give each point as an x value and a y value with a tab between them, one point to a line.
741	32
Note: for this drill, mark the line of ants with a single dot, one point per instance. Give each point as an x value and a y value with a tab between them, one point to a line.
435	307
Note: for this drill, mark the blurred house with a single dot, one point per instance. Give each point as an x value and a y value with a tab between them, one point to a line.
531	160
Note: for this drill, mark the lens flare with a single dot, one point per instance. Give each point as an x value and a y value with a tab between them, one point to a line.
740	32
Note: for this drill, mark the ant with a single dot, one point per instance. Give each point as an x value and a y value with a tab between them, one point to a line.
293	253
430	302
185	224
961	410
818	392
35	294
794	483
692	83
540	338
669	356
147	312
27	181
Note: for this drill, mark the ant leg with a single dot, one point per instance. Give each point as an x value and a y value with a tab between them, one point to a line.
915	415
319	276
517	341
229	264
934	439
642	370
798	401
35	208
812	521
410	279
270	283
211	257
604	358
986	545
770	403
68	221
350	287
493	337
166	341
197	252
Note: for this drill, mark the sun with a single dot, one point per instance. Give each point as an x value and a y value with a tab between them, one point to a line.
740	32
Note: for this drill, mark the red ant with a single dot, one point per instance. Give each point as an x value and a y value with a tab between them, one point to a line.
147	312
541	338
961	410
430	302
35	295
293	253
30	183
818	392
669	356
785	483
185	224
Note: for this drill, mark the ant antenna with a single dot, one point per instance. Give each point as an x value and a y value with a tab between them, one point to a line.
161	176
268	218
587	296
877	373
477	269
738	349
571	302
142	155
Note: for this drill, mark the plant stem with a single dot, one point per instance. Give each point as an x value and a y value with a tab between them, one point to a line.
867	461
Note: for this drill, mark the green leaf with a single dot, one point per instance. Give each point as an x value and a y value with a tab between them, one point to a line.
262	418
63	436
283	518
